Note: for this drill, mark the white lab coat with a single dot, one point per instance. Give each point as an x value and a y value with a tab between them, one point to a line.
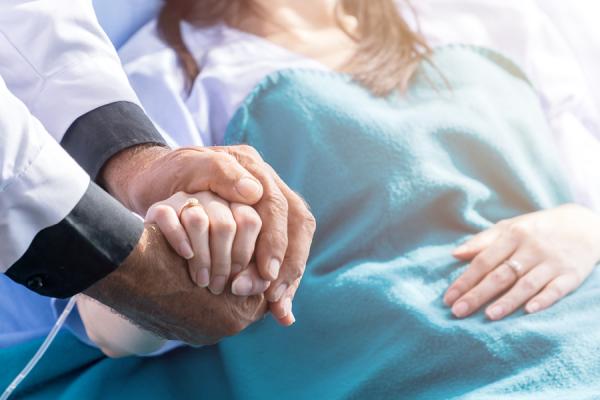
56	64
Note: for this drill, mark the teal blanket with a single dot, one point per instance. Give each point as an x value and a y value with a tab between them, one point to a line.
395	184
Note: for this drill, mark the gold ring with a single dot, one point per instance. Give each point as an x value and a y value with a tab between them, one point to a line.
189	203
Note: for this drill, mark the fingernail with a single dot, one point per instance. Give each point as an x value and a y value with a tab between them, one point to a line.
287	306
460	309
203	278
496	312
533	307
236	269
186	250
279	292
292	318
461	249
451	296
217	285
242	286
249	188
273	268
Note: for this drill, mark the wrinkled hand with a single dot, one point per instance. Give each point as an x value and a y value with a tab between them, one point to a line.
153	289
552	252
142	176
286	236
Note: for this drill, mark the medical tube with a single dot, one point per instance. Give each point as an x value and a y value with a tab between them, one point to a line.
41	351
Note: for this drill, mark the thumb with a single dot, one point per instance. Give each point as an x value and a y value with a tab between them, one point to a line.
225	176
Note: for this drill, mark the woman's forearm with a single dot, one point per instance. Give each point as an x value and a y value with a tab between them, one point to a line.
112	333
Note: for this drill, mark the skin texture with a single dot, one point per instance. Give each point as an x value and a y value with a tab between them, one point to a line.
152	287
557	249
144	175
216	237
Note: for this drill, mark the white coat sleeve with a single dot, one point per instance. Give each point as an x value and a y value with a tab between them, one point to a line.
57	60
52	235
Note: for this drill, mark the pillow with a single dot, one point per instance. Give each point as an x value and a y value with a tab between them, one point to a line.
120	19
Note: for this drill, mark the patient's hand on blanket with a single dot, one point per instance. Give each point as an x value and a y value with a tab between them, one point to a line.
216	237
535	259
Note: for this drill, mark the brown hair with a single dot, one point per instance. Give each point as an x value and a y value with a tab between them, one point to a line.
388	51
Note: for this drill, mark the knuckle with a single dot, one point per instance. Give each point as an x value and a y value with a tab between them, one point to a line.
500	278
223	226
161	211
483	263
221	162
277	203
275	239
473	299
248	217
300	215
309	223
556	291
294	271
196	218
508	303
528	285
249	151
460	285
519	230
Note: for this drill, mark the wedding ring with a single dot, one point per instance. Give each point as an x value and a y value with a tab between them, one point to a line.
189	203
515	266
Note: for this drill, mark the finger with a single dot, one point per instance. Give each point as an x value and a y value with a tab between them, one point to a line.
476	244
249	283
481	265
222	174
493	284
554	291
282	309
196	223
301	229
273	239
168	222
273	211
248	228
222	233
194	170
525	288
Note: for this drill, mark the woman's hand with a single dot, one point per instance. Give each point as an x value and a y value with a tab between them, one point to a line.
217	239
535	259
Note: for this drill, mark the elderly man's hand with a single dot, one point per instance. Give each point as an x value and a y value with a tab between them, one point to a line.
141	176
286	236
153	289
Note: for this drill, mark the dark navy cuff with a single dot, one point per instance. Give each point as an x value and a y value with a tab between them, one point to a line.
101	133
91	242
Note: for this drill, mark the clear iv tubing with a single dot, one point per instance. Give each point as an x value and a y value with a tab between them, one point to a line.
41	351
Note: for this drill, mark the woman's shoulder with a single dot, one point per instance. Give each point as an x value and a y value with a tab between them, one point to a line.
456	66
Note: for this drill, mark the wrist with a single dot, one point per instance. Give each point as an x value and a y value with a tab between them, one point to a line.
117	290
120	173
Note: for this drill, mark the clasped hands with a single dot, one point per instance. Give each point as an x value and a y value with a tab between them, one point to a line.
245	225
